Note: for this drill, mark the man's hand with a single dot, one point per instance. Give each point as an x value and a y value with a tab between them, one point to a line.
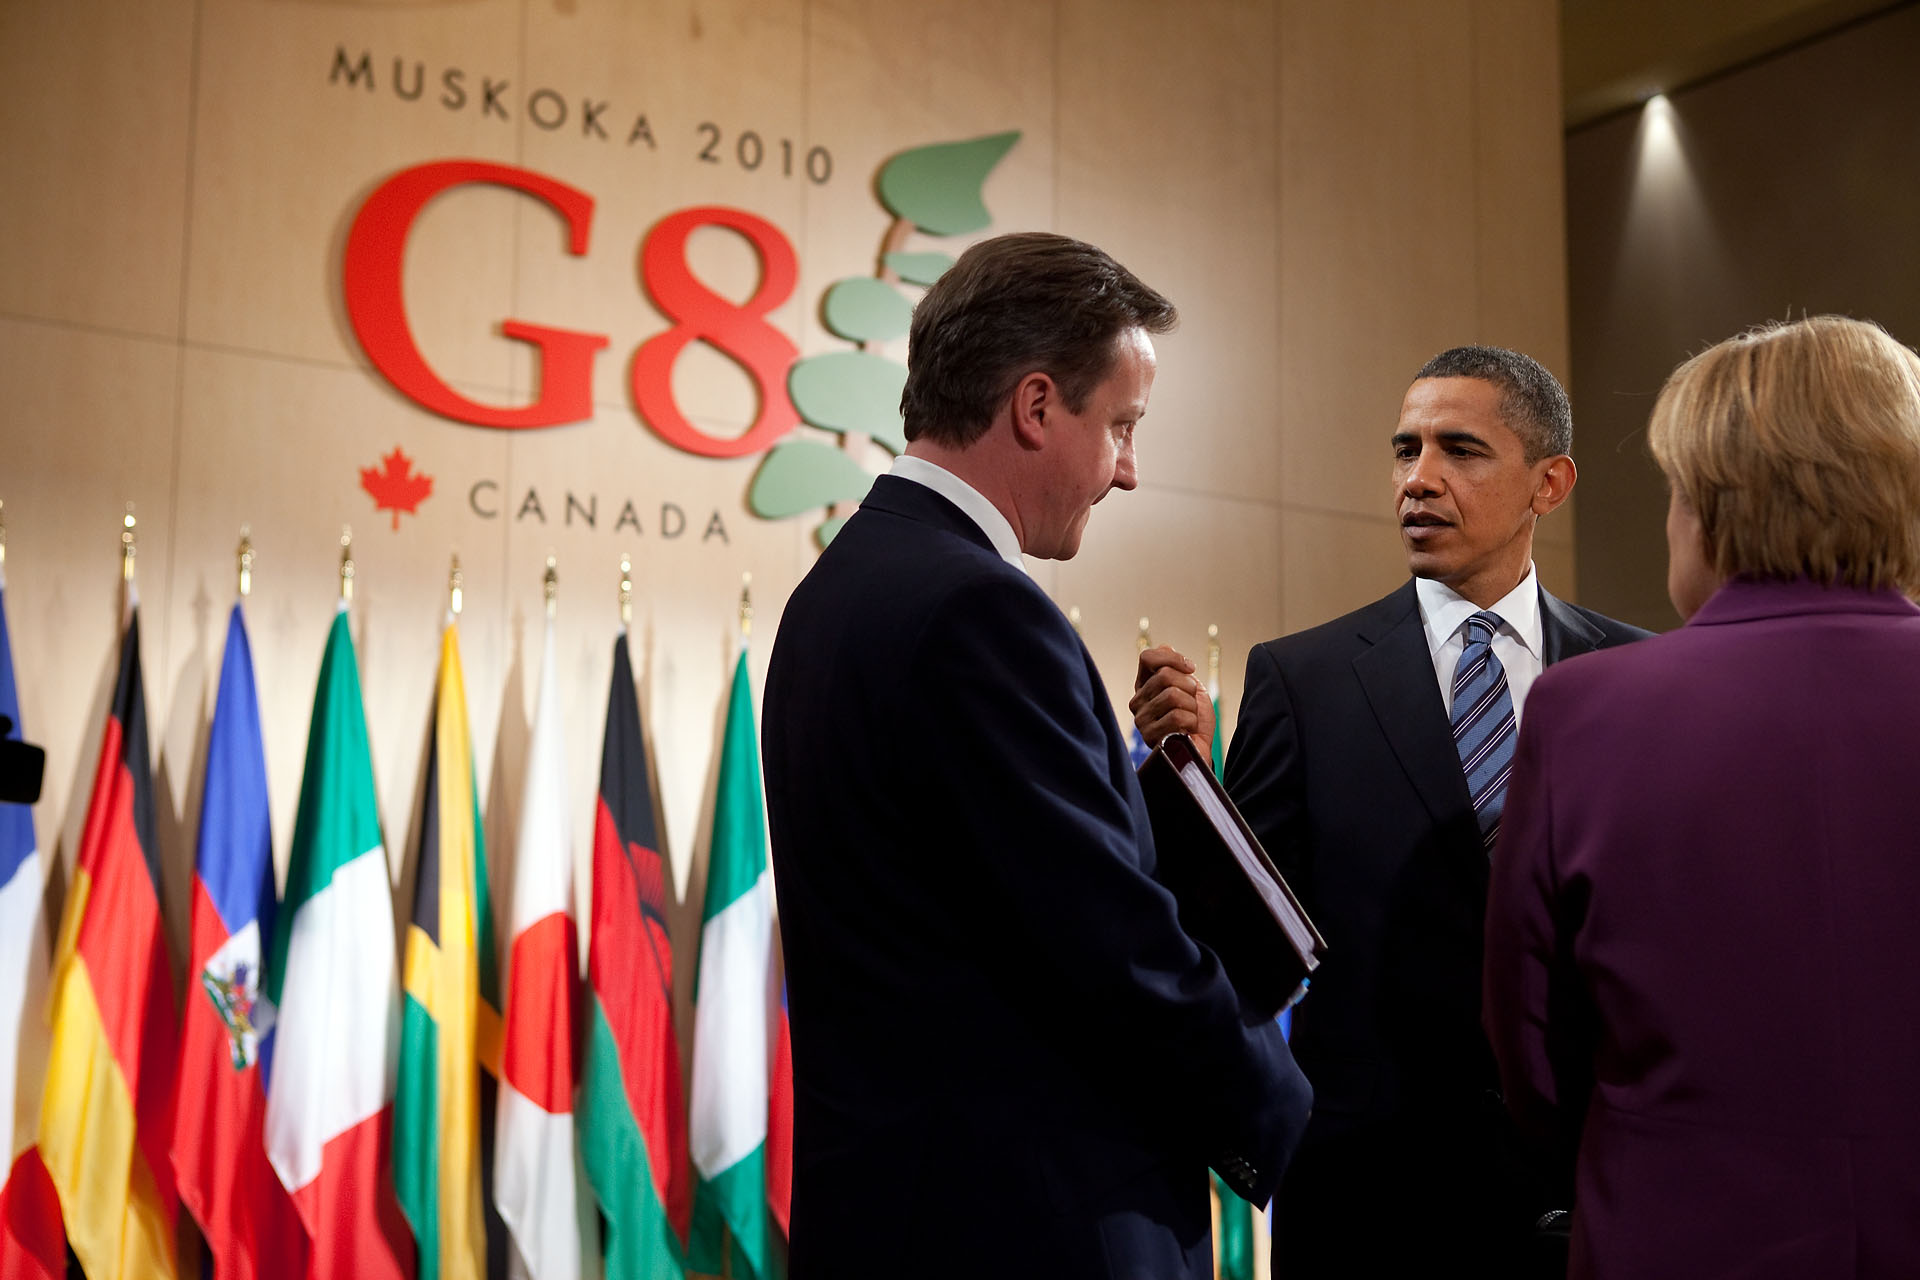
1169	698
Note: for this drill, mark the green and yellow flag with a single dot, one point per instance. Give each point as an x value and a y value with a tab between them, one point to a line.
450	1025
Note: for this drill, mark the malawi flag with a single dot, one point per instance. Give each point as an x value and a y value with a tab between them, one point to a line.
32	1243
730	1096
535	1182
226	1054
331	976
633	1123
451	1020
106	1122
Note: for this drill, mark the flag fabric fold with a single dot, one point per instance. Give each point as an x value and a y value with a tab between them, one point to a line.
106	1120
633	1123
32	1240
219	1146
451	1022
728	1123
534	1178
331	977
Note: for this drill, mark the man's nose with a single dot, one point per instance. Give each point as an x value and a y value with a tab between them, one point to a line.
1421	478
1125	473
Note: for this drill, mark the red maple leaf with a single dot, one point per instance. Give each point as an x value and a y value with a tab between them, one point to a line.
395	486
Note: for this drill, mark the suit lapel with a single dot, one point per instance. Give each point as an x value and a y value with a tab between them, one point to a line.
1563	632
1396	672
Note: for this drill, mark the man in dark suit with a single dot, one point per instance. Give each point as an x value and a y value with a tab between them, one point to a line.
1008	1058
1371	758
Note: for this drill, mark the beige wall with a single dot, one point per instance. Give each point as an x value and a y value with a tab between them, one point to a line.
1330	192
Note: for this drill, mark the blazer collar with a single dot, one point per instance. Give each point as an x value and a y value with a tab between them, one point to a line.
1748	599
922	505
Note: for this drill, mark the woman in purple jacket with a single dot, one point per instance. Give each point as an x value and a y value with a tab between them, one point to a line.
1702	950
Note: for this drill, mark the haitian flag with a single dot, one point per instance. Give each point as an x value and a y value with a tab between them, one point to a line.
226	1053
633	1120
32	1242
331	975
451	1019
535	1179
106	1122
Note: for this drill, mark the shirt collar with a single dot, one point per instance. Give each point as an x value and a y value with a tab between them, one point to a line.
998	529
1443	611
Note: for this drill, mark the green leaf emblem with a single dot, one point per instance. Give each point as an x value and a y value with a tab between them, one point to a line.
937	188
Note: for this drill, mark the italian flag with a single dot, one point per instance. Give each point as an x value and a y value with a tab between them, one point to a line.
728	1128
329	1126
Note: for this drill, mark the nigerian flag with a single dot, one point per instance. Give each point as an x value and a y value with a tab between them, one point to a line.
728	1127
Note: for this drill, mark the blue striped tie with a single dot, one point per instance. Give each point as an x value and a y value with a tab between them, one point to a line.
1483	723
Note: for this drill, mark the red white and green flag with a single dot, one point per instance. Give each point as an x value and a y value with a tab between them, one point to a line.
332	976
633	1123
732	1221
535	1182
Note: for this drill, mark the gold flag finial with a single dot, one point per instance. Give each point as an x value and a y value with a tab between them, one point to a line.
550	585
746	605
346	564
3	537
126	545
1213	660
245	558
1073	618
1146	638
454	592
626	591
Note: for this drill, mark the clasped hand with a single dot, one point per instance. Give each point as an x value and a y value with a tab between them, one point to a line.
1169	698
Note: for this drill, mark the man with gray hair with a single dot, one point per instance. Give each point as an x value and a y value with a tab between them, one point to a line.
1008	1058
1371	759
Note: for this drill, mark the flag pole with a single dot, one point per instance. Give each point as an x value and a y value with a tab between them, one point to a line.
129	594
550	584
746	606
1145	641
244	557
626	592
346	564
454	591
1073	618
1213	660
3	543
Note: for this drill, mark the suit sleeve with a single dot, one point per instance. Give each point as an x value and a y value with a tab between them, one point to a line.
1057	850
1534	1006
1263	773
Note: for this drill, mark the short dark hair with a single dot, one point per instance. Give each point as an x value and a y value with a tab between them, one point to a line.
1532	401
1011	306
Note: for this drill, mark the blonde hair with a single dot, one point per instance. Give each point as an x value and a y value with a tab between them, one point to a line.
1798	446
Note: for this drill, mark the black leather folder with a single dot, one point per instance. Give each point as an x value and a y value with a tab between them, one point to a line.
1231	896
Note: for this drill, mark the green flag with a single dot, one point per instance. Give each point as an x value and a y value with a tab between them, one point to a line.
728	1128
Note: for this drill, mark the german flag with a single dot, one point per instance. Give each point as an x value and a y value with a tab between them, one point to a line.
106	1122
450	1023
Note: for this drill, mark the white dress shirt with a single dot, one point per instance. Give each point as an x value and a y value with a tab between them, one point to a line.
969	500
1519	643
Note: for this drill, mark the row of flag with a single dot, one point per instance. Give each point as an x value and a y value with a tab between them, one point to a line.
327	1106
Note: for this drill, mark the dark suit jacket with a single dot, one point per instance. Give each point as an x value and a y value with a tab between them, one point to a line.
1701	938
1008	1059
1343	763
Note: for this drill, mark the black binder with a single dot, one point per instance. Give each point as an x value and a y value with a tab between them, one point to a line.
1231	896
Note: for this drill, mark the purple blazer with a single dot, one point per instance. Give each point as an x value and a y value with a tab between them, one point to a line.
1703	939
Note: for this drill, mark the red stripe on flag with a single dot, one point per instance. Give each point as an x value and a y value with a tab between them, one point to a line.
543	1013
33	1243
350	1209
631	967
219	1154
126	957
780	1126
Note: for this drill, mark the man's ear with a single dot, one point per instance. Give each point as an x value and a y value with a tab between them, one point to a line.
1034	397
1555	483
